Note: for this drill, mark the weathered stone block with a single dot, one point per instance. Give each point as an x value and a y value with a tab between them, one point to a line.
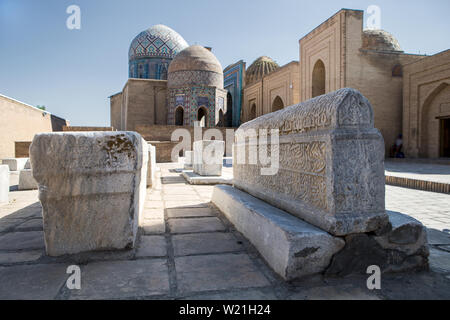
28	163
291	246
26	180
402	247
208	157
92	187
15	164
331	163
406	241
151	168
4	183
188	160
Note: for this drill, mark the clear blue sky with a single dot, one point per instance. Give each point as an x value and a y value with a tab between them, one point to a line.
73	72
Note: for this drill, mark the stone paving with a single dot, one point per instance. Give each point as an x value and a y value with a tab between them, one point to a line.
430	208
188	250
419	171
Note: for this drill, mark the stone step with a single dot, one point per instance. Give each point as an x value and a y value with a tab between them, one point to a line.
292	247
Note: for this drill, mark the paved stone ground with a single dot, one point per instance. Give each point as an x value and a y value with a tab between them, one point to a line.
419	171
188	250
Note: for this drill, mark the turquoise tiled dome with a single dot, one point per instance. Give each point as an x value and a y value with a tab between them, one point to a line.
158	41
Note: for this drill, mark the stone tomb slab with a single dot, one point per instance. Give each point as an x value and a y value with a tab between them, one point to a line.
26	180
194	178
15	164
330	167
186	204
208	157
291	246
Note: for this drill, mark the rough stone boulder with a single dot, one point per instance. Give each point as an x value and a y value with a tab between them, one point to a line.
402	246
92	187
330	169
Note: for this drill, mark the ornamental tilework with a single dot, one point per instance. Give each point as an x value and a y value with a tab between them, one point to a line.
157	41
152	51
194	98
233	83
195	77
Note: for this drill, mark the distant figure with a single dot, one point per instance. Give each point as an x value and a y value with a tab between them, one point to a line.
398	147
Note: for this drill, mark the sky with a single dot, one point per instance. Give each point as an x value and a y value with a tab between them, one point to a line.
73	72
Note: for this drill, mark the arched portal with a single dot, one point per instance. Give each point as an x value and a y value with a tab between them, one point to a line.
252	112
221	119
318	79
202	116
435	124
277	104
229	116
179	116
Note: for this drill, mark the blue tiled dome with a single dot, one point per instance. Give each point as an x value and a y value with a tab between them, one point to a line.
158	41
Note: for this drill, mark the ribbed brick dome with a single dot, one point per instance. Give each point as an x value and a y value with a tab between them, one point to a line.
260	68
380	40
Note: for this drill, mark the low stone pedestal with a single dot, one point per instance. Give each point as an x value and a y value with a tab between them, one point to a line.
151	168
4	184
92	187
208	157
292	247
193	178
188	159
26	180
15	164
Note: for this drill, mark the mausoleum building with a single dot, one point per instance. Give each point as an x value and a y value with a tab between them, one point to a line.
408	92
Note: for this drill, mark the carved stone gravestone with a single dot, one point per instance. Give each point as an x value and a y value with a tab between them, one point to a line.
92	187
331	163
